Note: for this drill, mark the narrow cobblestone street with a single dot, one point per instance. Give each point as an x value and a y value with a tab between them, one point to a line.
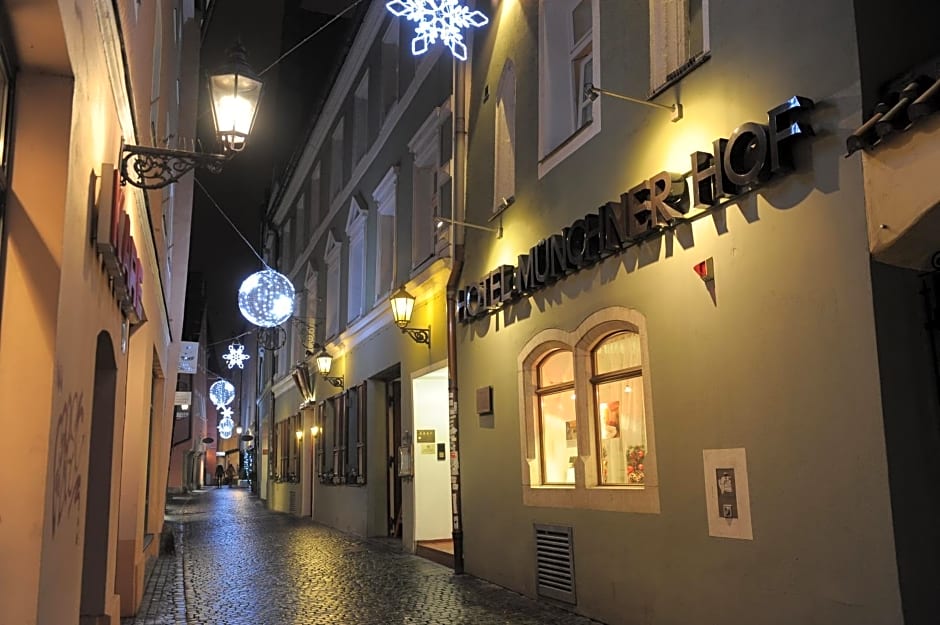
238	563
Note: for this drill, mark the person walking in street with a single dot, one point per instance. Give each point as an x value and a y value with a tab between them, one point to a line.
219	473
230	475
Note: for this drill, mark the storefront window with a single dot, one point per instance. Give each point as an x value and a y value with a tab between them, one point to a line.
593	379
621	418
557	418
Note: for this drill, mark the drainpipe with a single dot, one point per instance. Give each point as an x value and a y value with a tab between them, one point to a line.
457	259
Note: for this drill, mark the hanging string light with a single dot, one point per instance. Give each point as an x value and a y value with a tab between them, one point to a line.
222	393
236	356
266	298
438	19
226	425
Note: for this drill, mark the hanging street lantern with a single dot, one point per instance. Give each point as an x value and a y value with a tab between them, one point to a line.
235	91
403	305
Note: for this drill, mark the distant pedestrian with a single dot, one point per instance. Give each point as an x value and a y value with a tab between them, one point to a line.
230	475
219	473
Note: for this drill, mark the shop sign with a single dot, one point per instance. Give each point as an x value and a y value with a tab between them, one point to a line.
115	246
736	165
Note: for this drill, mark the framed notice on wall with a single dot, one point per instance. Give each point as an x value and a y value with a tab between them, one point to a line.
727	497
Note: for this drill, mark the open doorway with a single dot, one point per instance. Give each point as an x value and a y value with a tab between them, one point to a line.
431	455
96	555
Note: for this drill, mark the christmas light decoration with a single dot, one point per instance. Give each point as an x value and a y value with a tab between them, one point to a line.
266	298
225	427
236	356
438	19
222	393
226	412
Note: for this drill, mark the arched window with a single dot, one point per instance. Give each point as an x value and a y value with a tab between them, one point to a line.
557	418
617	382
587	428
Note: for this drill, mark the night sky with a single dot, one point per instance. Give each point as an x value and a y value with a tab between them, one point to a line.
293	93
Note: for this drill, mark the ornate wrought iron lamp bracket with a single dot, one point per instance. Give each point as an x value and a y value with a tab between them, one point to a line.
419	335
154	168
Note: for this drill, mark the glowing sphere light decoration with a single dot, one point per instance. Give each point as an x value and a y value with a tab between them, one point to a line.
266	298
222	393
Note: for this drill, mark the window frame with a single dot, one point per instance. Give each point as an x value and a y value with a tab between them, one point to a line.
663	78
587	492
552	64
546	391
385	197
432	166
504	142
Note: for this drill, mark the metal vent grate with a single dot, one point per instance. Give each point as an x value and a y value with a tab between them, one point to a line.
554	562
292	502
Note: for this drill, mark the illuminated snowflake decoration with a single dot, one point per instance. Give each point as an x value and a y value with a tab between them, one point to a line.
438	19
236	356
226	412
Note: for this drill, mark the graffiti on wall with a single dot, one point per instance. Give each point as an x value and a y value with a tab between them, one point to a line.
68	441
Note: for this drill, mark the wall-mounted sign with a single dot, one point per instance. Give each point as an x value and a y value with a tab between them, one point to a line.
425	436
749	157
115	246
183	398
727	496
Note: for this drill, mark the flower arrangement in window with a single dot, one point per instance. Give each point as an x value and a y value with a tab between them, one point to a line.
635	456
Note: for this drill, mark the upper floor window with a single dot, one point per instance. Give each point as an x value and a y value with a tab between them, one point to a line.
284	262
430	178
360	120
389	62
300	229
568	62
332	259
504	178
678	38
356	233
315	200
385	200
337	172
587	427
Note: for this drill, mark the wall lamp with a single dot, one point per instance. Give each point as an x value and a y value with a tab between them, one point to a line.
499	230
403	304
324	364
234	91
592	92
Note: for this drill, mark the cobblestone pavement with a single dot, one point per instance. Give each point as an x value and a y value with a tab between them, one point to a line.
237	563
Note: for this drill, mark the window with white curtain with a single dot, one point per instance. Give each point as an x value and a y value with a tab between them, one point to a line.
504	146
385	201
356	234
430	175
587	416
360	120
337	173
332	257
389	62
678	38
568	63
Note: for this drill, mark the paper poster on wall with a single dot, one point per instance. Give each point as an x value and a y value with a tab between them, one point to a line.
727	499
